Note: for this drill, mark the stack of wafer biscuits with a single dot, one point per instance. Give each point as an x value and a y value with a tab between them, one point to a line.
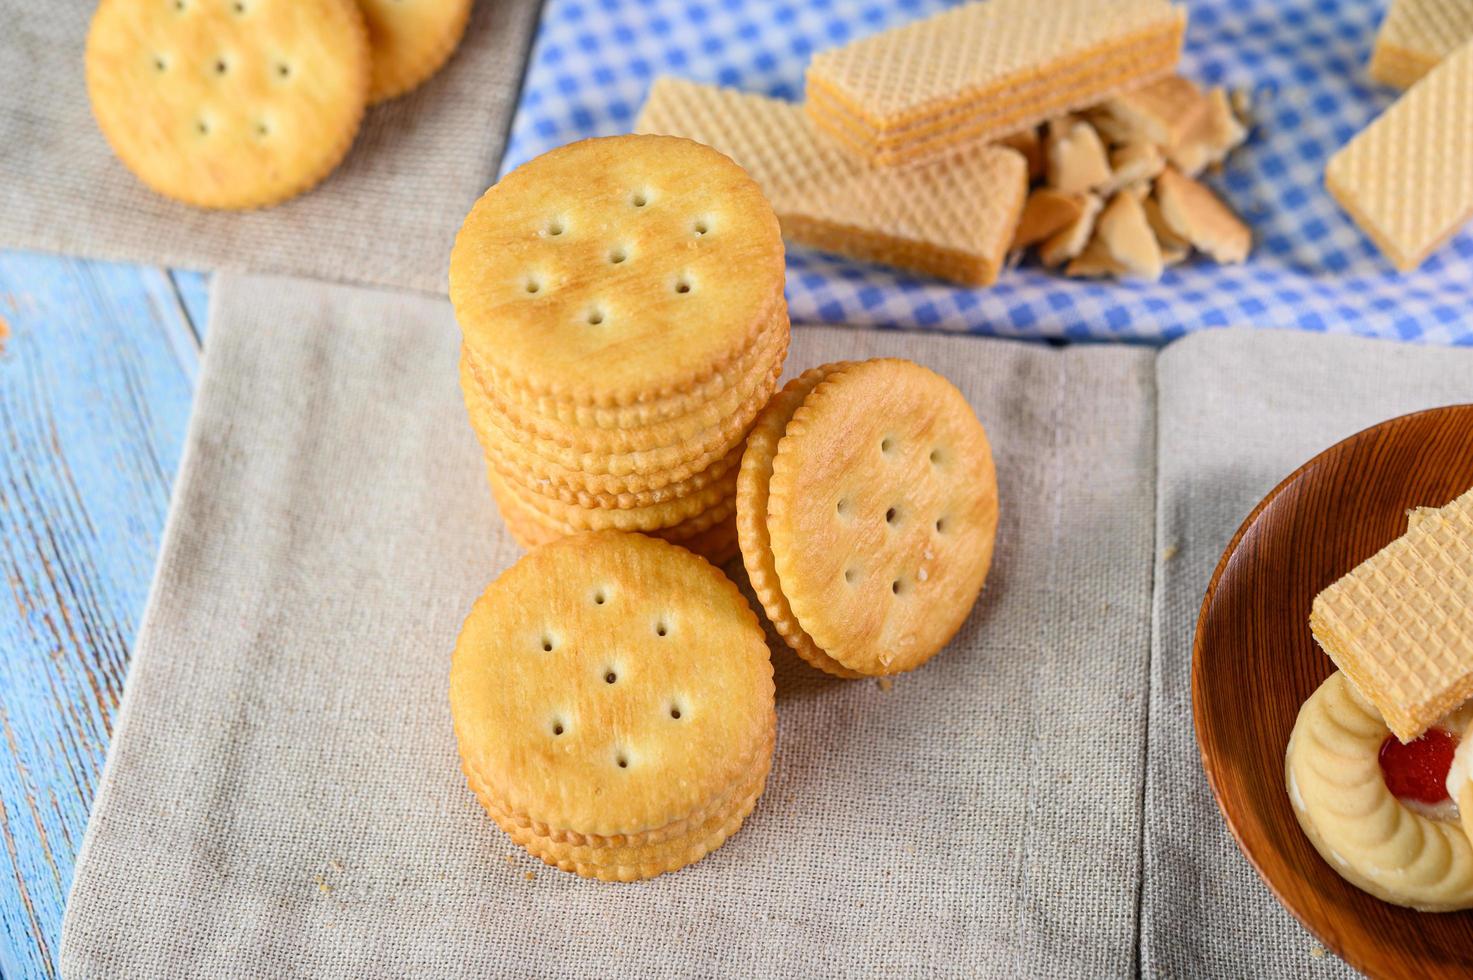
951	218
613	703
867	510
621	301
985	70
1407	178
1401	624
1416	35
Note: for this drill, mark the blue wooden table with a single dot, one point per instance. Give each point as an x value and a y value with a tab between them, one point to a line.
97	371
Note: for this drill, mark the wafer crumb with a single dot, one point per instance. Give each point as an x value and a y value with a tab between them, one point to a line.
322	884
511	859
884	683
1169	552
530	875
1317	951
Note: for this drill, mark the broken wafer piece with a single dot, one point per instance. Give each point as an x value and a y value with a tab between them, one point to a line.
1407	178
1217	132
1126	236
1094	262
1401	624
953	219
1030	144
1047	212
983	70
1164	113
1066	244
1416	35
1074	157
1133	164
1196	215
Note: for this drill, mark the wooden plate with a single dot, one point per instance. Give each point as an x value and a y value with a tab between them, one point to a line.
1255	662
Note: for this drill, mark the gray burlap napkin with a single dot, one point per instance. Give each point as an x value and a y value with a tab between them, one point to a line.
1238	412
283	798
387	215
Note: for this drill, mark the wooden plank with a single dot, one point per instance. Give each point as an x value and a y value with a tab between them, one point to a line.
96	379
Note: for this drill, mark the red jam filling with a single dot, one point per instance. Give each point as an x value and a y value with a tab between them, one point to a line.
1418	770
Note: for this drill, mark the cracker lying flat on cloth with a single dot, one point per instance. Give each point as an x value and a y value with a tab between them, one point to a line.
1407	178
985	70
228	105
410	41
953	218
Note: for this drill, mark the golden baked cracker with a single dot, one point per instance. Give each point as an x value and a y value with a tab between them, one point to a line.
517	477
410	40
228	103
637	861
602	272
1095	262
1125	233
713	502
1133	164
1407	178
882	511
1416	35
974	61
610	684
953	219
711	535
751	513
1071	240
1163	113
1076	157
724	409
1217	133
649	411
1400	625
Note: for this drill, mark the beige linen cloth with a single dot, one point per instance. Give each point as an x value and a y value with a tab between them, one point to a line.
283	798
386	216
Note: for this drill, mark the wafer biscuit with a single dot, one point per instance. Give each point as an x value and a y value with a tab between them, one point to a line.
410	41
610	685
953	219
1407	178
1416	35
223	105
751	500
600	273
1401	624
984	70
881	512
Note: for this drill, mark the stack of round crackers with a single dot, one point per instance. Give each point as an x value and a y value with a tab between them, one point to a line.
621	301
613	703
867	510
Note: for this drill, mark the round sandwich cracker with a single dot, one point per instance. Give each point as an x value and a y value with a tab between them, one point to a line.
228	103
611	685
751	509
410	41
617	270
882	510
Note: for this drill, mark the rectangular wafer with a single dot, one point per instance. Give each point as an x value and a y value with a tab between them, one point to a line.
953	218
1401	624
1407	178
1416	35
984	70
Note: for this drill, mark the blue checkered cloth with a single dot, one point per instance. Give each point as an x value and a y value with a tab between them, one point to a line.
1305	60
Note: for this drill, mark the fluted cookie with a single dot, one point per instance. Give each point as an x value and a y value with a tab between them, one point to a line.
613	691
228	103
882	510
1396	849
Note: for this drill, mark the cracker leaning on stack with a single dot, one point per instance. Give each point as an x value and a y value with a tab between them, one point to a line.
867	511
621	301
613	702
241	104
1379	767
